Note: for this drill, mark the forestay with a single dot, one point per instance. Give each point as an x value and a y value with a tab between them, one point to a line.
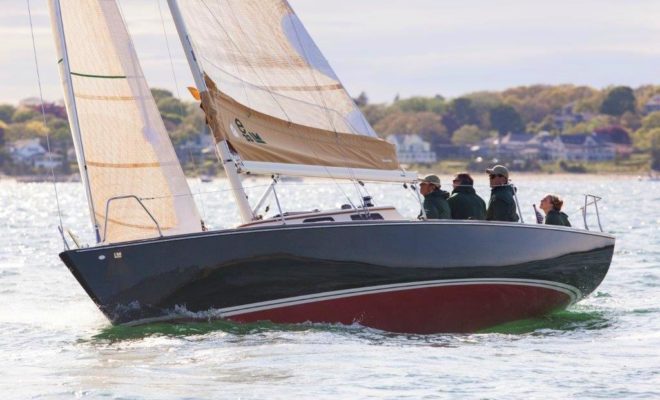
271	93
123	144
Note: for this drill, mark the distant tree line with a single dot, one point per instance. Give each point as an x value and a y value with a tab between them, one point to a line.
463	120
473	117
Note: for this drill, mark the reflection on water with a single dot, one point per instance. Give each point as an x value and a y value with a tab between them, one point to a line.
560	321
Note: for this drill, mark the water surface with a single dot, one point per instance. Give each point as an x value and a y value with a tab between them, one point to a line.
54	343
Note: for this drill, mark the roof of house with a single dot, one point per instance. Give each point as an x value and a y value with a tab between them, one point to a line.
517	137
581	138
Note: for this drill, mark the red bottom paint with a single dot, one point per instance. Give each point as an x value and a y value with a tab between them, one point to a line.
452	309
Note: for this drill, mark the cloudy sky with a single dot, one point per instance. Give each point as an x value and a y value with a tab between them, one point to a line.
389	47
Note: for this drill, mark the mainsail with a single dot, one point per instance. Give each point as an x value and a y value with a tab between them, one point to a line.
123	148
271	94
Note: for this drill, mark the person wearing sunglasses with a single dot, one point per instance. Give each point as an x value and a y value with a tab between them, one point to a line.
464	201
435	200
502	206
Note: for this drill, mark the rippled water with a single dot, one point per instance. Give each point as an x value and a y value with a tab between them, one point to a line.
54	343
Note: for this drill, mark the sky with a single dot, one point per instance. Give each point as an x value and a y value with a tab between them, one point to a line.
390	47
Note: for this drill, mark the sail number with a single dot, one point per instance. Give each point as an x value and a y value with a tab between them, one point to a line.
248	135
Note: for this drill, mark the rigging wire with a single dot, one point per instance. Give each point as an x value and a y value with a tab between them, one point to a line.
43	116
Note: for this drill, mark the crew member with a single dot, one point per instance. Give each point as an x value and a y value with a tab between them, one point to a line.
551	204
435	199
502	206
464	201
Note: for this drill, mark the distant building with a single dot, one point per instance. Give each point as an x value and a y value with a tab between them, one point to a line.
47	160
412	149
196	148
23	151
580	147
30	152
652	105
566	116
512	145
618	137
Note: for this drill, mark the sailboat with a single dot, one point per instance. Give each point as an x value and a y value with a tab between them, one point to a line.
276	108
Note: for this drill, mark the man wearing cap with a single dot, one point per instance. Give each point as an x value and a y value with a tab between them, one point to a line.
502	206
435	200
464	202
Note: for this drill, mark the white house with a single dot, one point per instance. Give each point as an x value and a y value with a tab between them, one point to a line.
412	149
23	151
31	152
581	147
652	105
48	160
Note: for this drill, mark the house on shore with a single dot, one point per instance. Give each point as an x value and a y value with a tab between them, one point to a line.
544	147
412	149
30	152
581	147
652	105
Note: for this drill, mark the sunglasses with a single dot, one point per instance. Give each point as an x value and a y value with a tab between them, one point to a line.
493	176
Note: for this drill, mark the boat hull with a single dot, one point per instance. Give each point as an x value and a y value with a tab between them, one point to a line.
408	276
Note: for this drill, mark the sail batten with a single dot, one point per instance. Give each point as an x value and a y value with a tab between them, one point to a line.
270	92
127	151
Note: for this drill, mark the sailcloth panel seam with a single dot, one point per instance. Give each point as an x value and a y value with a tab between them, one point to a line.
143	227
129	165
99	76
108	98
336	86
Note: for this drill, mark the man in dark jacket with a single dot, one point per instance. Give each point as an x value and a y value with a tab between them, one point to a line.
502	206
435	200
464	201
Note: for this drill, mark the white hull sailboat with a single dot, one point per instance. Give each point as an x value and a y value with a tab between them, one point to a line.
275	107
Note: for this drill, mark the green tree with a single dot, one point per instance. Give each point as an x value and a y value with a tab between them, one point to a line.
590	126
362	100
469	134
505	119
464	112
3	128
374	113
421	104
644	137
23	114
171	105
618	101
6	112
159	94
425	124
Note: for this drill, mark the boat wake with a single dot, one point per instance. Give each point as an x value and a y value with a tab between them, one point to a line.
557	322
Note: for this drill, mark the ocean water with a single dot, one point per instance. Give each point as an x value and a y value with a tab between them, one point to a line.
55	344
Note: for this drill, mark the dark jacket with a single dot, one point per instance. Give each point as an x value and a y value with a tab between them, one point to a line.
436	206
466	204
502	206
555	217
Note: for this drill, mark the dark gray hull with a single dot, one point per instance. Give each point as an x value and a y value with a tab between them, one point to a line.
401	276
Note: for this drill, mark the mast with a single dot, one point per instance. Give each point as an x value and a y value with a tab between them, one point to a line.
222	147
73	112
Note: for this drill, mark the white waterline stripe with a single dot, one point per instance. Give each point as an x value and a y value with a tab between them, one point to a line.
569	290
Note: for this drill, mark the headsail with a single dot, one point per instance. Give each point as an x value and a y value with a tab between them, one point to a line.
123	145
271	93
